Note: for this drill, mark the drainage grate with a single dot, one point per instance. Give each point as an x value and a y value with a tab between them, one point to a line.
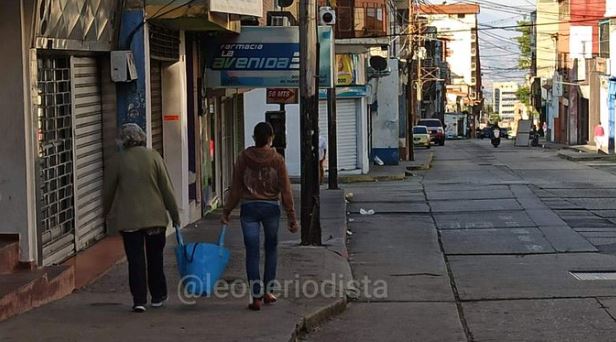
606	275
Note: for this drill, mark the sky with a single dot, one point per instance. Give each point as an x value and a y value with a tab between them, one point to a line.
498	48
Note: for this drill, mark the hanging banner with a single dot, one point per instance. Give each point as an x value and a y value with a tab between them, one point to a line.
344	67
265	57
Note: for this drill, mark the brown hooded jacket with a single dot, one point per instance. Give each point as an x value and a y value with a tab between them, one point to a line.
260	174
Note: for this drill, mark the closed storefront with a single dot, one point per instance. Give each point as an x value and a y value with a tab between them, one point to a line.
157	105
70	155
87	151
347	131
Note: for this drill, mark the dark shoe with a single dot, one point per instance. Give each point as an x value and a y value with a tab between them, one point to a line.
255	305
157	303
139	308
269	298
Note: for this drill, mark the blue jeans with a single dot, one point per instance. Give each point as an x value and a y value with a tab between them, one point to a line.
252	216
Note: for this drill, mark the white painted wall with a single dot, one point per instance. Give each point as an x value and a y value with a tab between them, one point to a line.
613	48
18	186
385	123
610	8
459	44
547	26
580	42
254	112
175	132
362	127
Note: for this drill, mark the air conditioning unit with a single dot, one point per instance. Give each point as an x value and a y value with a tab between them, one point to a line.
279	21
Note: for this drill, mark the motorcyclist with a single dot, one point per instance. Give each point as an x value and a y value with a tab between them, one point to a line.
495	134
495	127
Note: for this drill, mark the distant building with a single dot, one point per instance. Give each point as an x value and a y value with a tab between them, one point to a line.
456	25
504	99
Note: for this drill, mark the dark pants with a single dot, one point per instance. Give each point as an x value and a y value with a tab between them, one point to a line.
155	279
253	216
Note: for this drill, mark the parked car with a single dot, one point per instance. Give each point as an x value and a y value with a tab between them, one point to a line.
436	129
421	136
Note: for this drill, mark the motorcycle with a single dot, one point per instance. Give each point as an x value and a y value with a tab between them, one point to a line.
496	137
534	139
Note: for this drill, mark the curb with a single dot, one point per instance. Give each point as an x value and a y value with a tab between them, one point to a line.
584	156
371	179
427	165
314	319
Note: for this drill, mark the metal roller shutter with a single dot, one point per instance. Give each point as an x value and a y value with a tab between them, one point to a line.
55	143
346	120
157	105
88	151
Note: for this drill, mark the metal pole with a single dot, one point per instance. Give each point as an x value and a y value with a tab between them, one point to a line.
309	124
411	99
332	139
332	129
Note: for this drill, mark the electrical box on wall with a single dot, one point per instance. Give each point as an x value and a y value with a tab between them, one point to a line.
123	67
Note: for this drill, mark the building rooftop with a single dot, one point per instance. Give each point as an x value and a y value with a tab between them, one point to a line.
449	9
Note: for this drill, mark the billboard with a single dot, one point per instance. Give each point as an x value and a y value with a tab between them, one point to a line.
243	7
265	57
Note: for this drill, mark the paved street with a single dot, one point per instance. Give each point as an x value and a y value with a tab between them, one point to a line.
482	248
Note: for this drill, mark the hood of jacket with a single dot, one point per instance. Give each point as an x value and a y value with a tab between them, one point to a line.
260	156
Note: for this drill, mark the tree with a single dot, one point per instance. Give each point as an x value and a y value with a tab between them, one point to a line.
523	95
524	43
494	118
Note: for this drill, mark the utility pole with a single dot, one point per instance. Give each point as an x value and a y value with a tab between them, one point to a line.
309	123
409	88
419	85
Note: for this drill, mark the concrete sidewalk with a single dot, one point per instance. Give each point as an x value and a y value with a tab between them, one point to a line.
382	173
101	311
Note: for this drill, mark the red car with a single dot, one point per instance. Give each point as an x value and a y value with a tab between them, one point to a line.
437	131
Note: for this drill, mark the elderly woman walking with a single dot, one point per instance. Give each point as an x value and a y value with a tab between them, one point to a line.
138	186
260	182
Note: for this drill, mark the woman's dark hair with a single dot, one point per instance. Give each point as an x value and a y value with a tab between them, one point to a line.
263	131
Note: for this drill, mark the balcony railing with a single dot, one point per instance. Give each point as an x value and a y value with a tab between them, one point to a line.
367	20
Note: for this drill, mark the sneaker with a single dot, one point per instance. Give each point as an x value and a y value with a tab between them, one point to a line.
157	303
255	305
269	298
139	308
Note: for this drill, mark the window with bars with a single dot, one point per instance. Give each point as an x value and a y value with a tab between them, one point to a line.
164	43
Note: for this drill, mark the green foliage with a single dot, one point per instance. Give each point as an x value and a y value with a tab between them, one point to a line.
525	28
494	118
523	95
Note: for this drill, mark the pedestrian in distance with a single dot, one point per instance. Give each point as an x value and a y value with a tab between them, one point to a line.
137	185
322	155
599	136
534	136
260	183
